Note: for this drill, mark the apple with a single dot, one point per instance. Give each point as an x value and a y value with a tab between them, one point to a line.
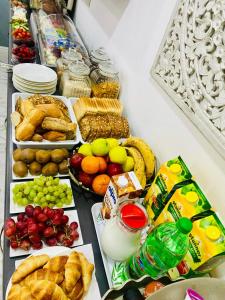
114	169
75	160
85	179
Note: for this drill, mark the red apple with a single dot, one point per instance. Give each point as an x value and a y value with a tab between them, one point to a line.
85	178
114	169
75	161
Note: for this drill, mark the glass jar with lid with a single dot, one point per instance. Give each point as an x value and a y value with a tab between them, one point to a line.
67	57
105	81
75	81
125	230
98	56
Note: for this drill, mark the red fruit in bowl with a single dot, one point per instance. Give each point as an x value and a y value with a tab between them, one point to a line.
25	245
75	161
114	169
60	236
51	241
37	246
29	210
85	179
67	242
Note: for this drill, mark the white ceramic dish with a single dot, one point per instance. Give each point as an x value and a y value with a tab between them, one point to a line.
15	208
73	217
31	83
34	72
93	292
26	89
46	144
25	84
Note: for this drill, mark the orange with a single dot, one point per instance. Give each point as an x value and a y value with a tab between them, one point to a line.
100	184
102	165
90	164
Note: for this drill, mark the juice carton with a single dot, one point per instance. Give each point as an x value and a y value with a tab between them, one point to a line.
206	249
121	187
187	201
171	175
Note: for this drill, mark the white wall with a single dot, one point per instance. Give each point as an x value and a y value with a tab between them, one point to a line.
152	115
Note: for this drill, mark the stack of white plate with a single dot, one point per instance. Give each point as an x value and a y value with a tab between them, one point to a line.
34	79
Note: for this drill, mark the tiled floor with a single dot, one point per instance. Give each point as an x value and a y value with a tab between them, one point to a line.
3	106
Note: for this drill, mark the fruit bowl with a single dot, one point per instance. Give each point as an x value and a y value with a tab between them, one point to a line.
23	54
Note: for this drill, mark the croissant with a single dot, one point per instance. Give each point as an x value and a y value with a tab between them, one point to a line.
77	292
87	270
18	292
56	264
52	110
43	274
28	266
58	125
46	290
72	271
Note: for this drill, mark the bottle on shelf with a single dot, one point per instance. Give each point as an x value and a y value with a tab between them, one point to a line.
98	56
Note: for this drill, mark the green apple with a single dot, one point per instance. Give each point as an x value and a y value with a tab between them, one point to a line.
100	147
128	165
112	143
118	155
85	149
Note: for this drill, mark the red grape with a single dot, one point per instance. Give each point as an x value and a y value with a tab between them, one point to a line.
29	210
32	228
10	231
64	219
51	241
37	211
60	236
59	211
42	217
20	225
49	231
37	246
21	217
25	244
30	220
57	219
41	227
35	238
14	244
74	235
74	225
9	223
50	213
67	242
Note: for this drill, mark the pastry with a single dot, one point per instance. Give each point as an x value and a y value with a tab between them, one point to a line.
56	264
52	110
77	292
24	106
72	271
29	265
43	274
16	118
18	292
87	270
54	136
37	138
46	290
58	125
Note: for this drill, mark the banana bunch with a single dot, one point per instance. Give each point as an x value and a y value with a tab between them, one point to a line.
144	159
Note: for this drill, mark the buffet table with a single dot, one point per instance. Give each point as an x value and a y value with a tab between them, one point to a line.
83	203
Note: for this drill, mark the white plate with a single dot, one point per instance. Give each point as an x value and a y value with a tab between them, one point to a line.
46	144
34	72
99	226
15	208
34	85
29	176
19	79
73	217
28	90
93	292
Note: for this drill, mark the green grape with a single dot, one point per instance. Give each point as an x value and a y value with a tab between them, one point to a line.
45	190
56	181
20	202
59	204
56	193
24	201
48	197
51	189
19	195
35	187
66	201
53	199
42	200
32	194
27	191
48	183
51	205
62	195
44	204
15	189
36	200
40	189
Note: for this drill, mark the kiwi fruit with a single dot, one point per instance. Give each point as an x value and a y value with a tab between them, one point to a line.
20	169
28	155
50	169
17	154
57	155
43	156
63	167
35	168
66	153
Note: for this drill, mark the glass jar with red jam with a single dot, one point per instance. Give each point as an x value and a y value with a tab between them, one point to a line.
122	234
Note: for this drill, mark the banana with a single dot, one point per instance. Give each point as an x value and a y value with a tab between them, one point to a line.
143	182
139	164
146	153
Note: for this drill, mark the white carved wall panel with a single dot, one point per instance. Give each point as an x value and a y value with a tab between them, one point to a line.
190	65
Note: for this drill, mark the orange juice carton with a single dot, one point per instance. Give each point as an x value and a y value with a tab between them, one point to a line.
171	175
206	248
121	187
186	201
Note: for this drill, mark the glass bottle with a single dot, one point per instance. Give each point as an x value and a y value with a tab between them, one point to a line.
75	81
122	233
105	81
98	56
